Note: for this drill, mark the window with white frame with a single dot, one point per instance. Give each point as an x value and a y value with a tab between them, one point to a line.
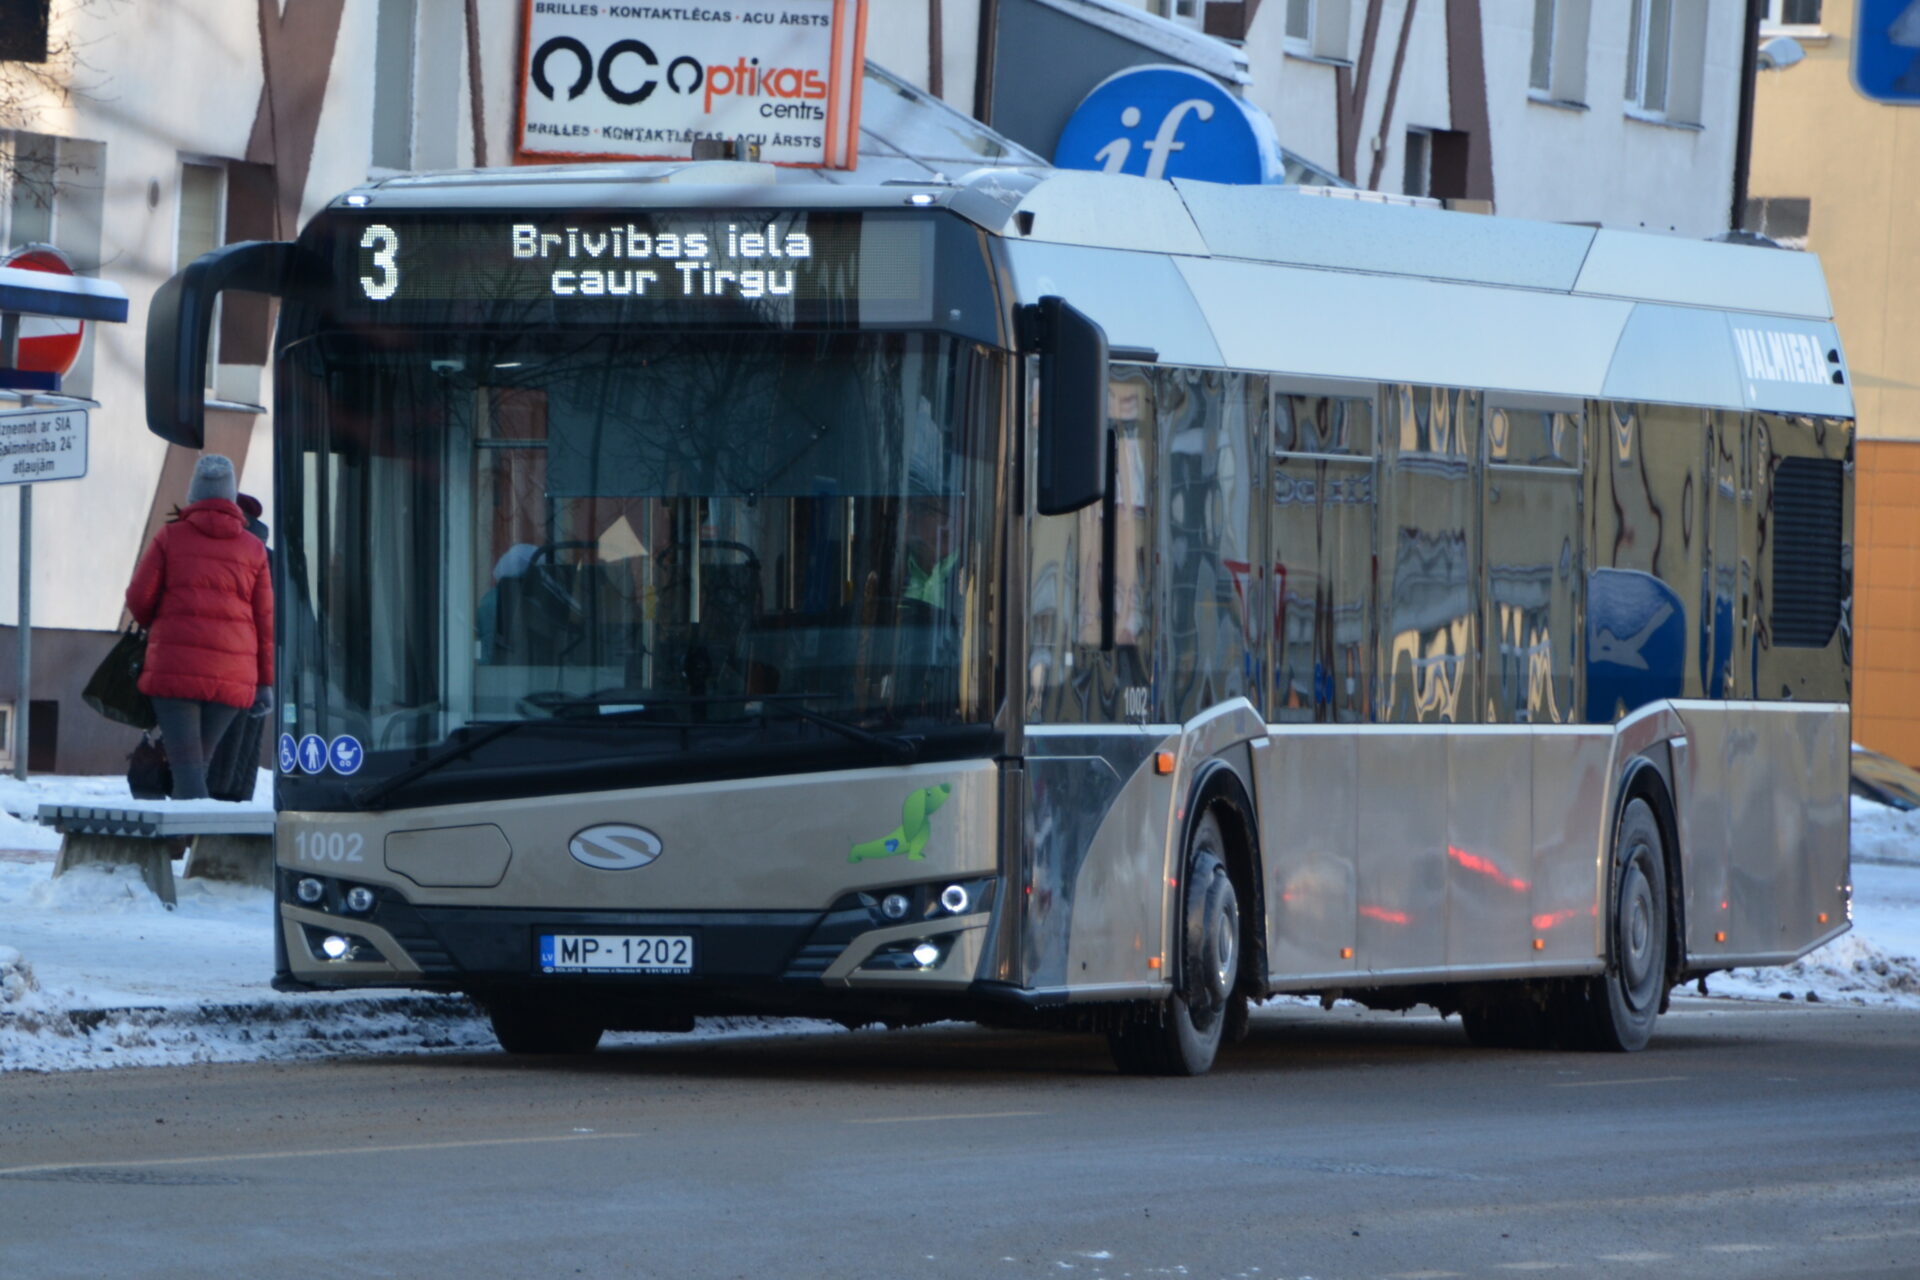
1187	12
394	29
1417	173
1558	70
28	166
201	228
1801	17
1319	29
1666	59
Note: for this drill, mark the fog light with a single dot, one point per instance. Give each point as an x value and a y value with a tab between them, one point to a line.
926	955
360	899
309	890
335	947
955	899
894	906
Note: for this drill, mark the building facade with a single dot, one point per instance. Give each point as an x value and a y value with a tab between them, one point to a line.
1837	173
1623	113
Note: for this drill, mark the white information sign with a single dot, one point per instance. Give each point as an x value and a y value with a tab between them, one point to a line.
643	81
43	444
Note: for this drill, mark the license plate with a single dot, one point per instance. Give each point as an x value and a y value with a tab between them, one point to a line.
615	953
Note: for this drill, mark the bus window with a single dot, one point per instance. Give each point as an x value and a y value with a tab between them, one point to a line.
1322	502
1208	422
1533	575
1428	556
1070	679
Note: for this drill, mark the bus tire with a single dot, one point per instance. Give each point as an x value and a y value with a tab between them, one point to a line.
522	1026
1615	1012
1182	1036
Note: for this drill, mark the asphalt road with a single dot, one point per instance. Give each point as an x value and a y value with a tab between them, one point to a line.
1752	1141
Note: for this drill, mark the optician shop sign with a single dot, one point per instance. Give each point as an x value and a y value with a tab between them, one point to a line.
613	79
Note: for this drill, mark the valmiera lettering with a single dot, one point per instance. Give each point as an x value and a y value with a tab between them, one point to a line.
699	272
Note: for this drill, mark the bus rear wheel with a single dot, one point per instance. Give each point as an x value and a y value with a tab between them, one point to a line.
524	1026
1182	1036
1615	1012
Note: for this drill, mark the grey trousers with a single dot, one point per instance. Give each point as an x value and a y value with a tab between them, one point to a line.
191	731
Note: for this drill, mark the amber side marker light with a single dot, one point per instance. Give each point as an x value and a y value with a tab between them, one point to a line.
1539	944
1720	937
1823	917
1163	762
1346	953
1153	962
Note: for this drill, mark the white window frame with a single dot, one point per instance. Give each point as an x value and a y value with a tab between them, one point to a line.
1683	65
8	142
383	101
219	239
1329	28
1569	22
1770	23
1425	137
1195	17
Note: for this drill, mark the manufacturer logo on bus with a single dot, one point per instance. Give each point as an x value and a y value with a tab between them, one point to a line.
614	847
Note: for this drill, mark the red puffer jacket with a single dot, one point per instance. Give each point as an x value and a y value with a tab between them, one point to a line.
204	595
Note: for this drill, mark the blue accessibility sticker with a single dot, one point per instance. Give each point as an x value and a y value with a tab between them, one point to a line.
345	754
289	753
313	753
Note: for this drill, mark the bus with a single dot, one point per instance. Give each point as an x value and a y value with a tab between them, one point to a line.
1062	600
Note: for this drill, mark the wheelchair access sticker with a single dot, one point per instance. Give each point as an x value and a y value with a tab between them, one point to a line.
289	753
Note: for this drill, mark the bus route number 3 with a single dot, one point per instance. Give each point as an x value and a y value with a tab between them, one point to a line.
328	846
385	245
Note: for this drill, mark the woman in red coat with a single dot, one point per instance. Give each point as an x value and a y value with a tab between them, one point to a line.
203	593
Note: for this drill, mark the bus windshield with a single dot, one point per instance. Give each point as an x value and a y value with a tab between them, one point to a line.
646	546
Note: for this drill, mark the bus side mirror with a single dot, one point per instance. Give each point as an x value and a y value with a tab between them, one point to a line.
178	324
1072	471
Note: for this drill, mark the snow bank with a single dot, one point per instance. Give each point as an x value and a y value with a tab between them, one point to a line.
1884	834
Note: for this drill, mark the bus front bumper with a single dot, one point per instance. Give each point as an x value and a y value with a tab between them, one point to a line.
732	956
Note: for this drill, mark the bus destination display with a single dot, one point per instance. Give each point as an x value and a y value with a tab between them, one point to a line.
710	260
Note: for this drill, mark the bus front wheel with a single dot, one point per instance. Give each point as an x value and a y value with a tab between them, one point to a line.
1181	1036
523	1026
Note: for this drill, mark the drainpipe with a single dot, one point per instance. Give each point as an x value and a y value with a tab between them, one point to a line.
1743	139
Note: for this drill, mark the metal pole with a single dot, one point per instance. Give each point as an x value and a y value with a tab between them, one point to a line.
23	705
23	700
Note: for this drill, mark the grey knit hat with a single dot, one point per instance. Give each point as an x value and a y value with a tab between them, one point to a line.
212	478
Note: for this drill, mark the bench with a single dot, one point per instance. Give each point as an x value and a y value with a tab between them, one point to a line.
229	843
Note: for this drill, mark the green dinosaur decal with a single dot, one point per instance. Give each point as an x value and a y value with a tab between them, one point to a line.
911	836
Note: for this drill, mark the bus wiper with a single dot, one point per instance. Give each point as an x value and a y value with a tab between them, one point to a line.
903	747
626	704
480	737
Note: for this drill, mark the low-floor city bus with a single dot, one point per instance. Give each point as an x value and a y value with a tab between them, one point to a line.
1070	601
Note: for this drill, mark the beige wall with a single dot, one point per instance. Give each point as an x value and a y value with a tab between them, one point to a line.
1886	599
1859	162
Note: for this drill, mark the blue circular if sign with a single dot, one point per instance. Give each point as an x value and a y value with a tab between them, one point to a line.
1169	122
289	754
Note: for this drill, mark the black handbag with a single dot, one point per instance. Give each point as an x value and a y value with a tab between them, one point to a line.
149	775
114	689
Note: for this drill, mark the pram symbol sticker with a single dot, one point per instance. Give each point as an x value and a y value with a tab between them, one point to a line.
345	754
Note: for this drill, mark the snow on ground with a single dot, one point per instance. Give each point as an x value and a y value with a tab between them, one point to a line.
96	972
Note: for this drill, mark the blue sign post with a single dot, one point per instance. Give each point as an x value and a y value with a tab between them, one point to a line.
1886	51
1170	122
